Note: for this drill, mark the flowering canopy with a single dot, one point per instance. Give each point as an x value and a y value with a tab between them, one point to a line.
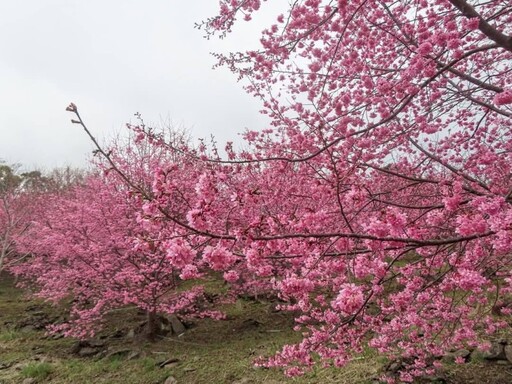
386	190
379	199
94	243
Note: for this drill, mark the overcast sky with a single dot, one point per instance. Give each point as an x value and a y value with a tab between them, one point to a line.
113	58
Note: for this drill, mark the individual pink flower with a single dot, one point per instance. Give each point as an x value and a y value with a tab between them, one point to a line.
189	272
180	253
231	276
472	24
503	98
425	48
218	258
349	299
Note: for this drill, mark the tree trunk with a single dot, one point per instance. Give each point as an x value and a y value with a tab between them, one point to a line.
152	326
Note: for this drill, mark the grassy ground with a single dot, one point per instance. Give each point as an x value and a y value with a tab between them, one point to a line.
210	352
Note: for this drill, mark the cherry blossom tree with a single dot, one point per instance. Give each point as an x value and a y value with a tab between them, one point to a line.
386	175
378	203
93	244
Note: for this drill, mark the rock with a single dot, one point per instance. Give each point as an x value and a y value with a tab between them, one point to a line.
251	323
496	352
168	363
189	369
130	334
37	321
433	379
56	336
508	352
188	323
86	348
118	353
502	362
177	326
19	366
5	365
87	351
117	334
171	380
95	343
394	367
76	347
29	380
38	357
248	324
464	353
133	355
451	356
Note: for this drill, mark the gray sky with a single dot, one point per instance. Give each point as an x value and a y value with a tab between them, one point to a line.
113	58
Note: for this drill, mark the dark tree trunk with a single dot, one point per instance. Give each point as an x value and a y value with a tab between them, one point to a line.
153	326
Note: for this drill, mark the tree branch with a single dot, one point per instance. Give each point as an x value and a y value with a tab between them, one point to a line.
487	29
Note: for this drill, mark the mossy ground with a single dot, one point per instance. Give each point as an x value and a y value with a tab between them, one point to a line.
210	352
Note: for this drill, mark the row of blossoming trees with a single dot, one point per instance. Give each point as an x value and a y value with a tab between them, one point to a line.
378	204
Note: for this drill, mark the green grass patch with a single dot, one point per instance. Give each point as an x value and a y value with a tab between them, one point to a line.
37	370
9	335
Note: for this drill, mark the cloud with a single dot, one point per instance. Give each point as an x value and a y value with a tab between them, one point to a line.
112	58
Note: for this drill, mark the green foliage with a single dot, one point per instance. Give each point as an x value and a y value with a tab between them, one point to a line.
477	357
9	180
37	370
148	364
114	362
9	335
